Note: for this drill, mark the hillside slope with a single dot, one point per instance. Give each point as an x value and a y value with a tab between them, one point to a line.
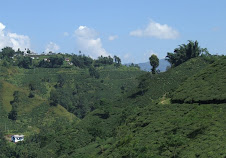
130	118
175	130
31	113
207	86
29	92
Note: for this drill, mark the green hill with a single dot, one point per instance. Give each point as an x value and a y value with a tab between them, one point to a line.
159	128
207	86
32	113
77	93
123	113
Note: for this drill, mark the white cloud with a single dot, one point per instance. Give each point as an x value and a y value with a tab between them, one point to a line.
66	34
156	30
88	42
127	58
51	47
2	27
8	39
111	38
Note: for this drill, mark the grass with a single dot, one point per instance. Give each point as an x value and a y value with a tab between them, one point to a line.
61	111
6	94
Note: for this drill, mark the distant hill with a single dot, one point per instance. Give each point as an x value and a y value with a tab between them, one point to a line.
162	65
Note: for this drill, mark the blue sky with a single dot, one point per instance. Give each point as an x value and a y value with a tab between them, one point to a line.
131	29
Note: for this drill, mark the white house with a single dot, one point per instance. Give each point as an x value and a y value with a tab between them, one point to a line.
17	138
67	59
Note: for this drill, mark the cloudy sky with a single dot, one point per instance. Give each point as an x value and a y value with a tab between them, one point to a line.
131	29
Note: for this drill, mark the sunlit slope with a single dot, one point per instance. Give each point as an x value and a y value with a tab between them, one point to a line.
28	109
135	124
156	129
129	117
33	88
152	87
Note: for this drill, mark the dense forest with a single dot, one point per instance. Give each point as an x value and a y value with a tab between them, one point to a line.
71	105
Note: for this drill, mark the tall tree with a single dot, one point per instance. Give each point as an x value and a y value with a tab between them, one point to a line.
12	114
117	61
185	52
52	62
93	72
54	98
24	62
7	53
154	61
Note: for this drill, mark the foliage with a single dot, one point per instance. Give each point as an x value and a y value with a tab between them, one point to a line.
93	72
120	116
134	65
24	62
5	150
82	61
13	114
53	98
103	61
205	87
7	53
185	52
51	62
117	61
156	86
154	61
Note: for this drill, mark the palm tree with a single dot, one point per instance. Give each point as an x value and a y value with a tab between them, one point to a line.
185	52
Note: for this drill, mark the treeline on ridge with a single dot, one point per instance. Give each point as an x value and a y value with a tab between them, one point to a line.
29	60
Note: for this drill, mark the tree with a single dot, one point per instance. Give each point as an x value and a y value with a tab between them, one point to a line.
32	86
77	61
54	98
87	61
185	52
52	62
154	61
117	61
93	72
13	114
25	62
81	61
102	61
8	52
61	81
31	95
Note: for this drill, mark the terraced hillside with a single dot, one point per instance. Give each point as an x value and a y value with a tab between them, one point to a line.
118	115
205	87
159	128
76	91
